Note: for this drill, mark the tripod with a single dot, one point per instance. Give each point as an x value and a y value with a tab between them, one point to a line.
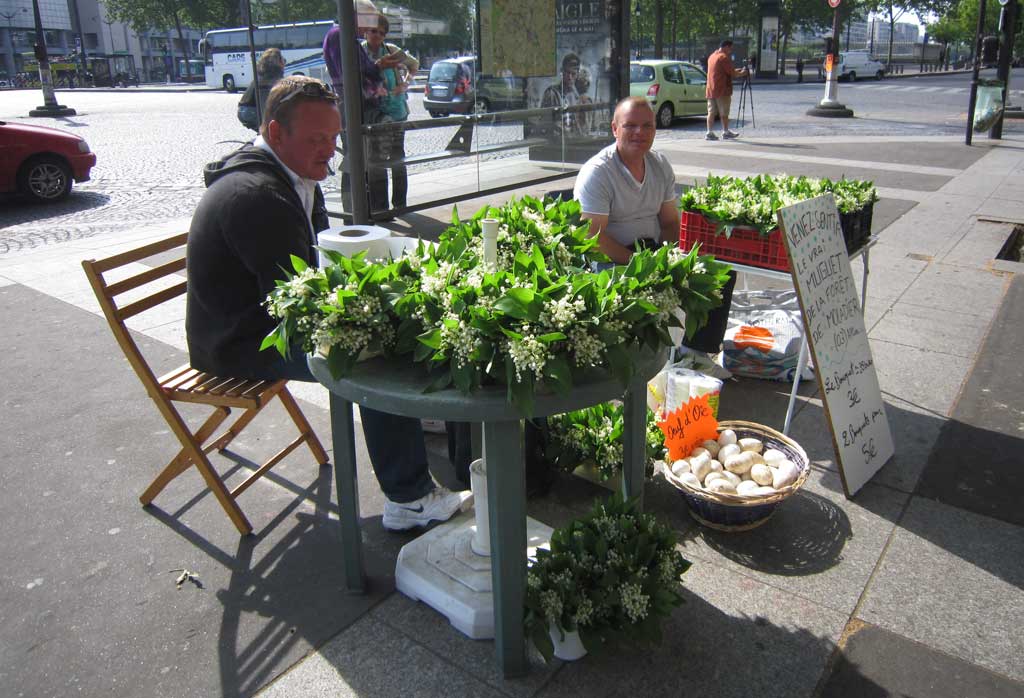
741	108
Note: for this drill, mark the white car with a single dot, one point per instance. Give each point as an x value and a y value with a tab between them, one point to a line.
855	64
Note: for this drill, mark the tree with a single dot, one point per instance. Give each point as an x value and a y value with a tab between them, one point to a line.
146	15
893	12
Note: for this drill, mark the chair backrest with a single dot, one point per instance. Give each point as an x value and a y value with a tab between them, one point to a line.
149	291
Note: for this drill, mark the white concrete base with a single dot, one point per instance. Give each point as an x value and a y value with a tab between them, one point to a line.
440	569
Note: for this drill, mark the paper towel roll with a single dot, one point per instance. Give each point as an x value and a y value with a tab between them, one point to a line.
352	239
677	389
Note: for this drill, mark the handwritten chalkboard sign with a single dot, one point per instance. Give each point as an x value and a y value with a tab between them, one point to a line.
838	339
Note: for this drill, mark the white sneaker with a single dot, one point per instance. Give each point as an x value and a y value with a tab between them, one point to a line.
439	505
710	136
729	135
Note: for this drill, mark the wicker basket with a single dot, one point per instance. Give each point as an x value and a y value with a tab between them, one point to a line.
732	512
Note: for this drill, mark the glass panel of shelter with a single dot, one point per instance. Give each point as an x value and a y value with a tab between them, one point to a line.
543	110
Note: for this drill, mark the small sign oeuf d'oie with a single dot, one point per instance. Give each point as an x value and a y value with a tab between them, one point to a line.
834	327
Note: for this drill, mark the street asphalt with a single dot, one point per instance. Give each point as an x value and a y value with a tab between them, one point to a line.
914	587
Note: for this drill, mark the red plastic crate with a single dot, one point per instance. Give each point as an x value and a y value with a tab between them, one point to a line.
743	246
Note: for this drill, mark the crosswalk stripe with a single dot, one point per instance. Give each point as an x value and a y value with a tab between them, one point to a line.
932	89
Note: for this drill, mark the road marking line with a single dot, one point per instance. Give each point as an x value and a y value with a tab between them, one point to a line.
933	89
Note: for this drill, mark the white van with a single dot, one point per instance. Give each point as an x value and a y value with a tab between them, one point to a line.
858	64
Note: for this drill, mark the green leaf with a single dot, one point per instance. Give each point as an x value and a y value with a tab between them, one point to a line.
462	376
299	264
431	338
620	362
442	378
559	373
340	362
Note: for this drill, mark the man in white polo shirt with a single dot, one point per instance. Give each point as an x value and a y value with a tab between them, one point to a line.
627	192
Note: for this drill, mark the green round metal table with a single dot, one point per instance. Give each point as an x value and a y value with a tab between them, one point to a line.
398	388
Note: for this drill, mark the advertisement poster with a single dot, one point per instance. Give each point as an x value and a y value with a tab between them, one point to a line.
583	64
506	27
768	53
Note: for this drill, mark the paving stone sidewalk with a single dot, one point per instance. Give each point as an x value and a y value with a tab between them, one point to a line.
913	587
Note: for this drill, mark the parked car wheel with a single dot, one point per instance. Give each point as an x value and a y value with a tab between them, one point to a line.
229	83
45	178
879	75
665	115
853	76
481	106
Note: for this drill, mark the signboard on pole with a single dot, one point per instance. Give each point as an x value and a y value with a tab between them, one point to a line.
838	340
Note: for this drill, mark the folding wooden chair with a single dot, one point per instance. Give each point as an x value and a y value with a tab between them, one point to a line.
185	384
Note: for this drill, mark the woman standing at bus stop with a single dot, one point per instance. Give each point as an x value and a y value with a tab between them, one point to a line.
390	146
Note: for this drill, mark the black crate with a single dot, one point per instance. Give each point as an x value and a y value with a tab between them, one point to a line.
856	227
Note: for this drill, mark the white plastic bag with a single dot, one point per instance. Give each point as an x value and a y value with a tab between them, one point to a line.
764	335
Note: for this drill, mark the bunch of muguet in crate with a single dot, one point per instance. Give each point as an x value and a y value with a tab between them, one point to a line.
738	466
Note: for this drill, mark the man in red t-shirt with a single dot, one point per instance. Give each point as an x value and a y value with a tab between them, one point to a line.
719	90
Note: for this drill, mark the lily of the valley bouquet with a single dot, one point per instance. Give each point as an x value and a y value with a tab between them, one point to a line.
752	202
612	576
593	435
542	319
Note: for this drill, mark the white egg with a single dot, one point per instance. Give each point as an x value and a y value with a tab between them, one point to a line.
746	487
721	485
690	480
728	450
761	474
732	477
784	474
751	444
712	447
740	463
728	436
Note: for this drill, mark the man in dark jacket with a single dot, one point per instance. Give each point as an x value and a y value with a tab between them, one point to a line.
262	205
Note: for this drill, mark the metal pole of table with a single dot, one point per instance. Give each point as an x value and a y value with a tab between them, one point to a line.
506	510
634	441
344	438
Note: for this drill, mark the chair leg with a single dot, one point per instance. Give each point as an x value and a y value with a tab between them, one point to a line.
235	429
220	491
181	462
303	426
192	453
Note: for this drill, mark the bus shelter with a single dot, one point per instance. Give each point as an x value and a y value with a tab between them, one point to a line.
528	103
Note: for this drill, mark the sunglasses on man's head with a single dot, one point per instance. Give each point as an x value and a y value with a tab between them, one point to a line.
314	90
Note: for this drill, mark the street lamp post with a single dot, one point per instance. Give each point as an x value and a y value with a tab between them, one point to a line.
50	107
829	105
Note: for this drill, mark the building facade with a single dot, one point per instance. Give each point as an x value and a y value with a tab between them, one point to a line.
112	49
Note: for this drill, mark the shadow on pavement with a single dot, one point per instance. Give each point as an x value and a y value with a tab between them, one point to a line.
17	210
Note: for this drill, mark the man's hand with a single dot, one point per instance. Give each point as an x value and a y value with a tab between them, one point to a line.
616	251
389	61
668	221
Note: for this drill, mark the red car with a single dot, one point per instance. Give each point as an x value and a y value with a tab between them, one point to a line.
41	162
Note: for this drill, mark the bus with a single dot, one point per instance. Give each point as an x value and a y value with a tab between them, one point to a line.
227	60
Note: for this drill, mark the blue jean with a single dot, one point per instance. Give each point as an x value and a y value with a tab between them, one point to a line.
395	444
